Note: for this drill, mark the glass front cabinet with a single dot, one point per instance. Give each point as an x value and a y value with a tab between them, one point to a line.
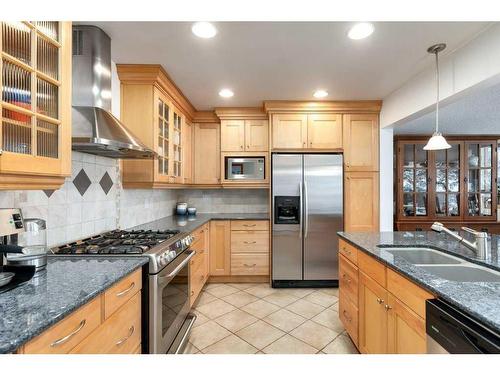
35	130
453	186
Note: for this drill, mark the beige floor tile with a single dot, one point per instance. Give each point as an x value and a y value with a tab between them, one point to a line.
314	334
281	299
260	334
223	291
200	318
261	290
207	334
284	320
305	308
299	292
215	309
335	306
230	345
260	308
330	319
236	320
289	345
190	349
240	299
210	286
205	298
321	298
330	291
341	345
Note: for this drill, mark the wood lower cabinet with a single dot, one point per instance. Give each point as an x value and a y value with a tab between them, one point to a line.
250	248
206	146
382	311
361	201
361	142
220	248
199	266
110	323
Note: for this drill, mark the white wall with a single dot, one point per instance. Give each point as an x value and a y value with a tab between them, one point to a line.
476	63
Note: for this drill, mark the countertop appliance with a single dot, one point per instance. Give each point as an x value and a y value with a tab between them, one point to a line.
450	330
94	129
245	168
307	193
166	298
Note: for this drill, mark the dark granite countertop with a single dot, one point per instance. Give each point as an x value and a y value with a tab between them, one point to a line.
479	299
190	223
68	283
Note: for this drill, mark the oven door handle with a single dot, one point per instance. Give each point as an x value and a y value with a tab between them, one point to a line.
162	279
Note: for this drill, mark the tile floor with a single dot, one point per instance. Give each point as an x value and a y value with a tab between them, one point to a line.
255	318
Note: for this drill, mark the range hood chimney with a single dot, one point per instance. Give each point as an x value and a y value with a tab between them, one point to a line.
95	130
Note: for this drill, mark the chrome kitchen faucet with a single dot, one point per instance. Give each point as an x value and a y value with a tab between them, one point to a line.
480	246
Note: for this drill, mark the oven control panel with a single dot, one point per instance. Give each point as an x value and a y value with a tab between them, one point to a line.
11	221
173	250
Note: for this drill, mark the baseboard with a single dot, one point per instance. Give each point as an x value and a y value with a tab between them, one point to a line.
239	279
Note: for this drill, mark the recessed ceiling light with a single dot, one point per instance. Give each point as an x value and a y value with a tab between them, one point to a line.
226	93
361	30
204	30
320	94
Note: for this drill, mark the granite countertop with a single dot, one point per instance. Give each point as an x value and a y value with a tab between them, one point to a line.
479	299
68	283
189	223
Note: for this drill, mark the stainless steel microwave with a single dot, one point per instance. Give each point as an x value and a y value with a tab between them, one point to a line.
245	168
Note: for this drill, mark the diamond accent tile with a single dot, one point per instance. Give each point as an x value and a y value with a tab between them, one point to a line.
48	193
106	183
82	182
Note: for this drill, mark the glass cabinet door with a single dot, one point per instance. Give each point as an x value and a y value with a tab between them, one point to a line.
480	183
177	145
163	137
414	180
448	181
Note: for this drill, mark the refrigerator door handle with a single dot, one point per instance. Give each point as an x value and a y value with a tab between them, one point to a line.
306	210
300	209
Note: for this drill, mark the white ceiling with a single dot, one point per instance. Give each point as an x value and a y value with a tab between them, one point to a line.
477	113
284	60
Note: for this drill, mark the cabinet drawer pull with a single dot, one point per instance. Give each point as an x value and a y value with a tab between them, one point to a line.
249	225
387	307
123	292
250	265
249	243
346	315
347	251
192	292
348	280
130	333
69	336
380	301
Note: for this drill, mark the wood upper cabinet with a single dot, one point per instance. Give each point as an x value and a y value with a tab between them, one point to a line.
289	131
35	107
361	140
188	153
372	316
256	135
232	135
220	248
361	202
206	145
324	131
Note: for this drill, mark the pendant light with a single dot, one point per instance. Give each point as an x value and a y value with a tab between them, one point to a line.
437	141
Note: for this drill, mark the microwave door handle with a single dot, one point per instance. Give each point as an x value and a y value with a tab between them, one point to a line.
300	209
171	275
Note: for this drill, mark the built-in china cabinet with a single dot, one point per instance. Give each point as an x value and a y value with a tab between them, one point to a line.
35	107
457	186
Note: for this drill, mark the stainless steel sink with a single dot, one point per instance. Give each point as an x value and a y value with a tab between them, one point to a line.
422	255
464	273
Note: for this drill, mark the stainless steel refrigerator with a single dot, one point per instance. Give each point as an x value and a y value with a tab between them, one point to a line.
307	194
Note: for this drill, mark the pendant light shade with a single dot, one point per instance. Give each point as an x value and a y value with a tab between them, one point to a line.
437	141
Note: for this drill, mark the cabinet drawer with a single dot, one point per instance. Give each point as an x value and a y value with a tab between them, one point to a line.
348	279
348	314
249	225
349	251
120	334
372	268
249	264
121	292
250	241
407	292
69	332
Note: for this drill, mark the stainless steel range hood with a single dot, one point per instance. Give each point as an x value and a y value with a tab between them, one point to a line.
94	129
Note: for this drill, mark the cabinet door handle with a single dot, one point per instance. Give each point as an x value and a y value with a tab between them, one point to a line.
387	307
66	338
192	293
123	292
249	265
347	279
130	333
346	250
380	301
346	315
249	243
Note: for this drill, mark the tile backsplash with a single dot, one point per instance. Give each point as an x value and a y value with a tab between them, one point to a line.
92	201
